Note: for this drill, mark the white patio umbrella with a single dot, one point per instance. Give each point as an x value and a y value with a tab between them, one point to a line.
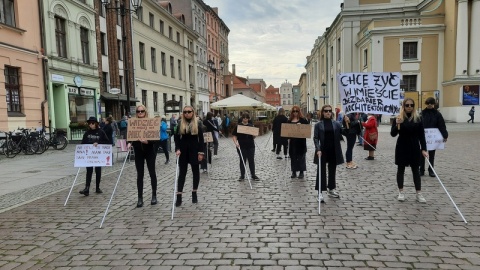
238	102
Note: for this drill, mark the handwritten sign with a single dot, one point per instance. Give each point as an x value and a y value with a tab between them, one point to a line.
247	130
296	130
207	137
87	155
376	92
434	139
143	129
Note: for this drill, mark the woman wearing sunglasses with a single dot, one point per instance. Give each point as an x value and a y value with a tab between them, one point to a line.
409	128
145	151
189	147
246	144
298	146
327	137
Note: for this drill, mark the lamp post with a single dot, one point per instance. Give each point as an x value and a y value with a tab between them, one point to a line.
324	96
308	102
212	67
123	10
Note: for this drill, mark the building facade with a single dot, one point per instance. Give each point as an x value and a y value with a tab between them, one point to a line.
272	96
305	96
215	76
286	95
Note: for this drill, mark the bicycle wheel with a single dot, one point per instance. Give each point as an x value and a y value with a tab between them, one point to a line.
30	147
61	142
10	146
41	146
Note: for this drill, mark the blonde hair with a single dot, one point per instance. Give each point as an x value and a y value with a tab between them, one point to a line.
414	116
144	107
189	127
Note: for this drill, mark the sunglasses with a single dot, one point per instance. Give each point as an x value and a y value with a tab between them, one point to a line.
245	117
329	111
140	111
187	112
409	105
430	103
91	123
294	111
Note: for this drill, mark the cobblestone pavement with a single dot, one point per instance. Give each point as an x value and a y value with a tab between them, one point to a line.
275	225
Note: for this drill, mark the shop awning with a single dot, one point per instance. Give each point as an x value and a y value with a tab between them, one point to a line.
121	97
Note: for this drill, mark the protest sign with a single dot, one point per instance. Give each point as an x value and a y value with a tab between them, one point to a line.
143	129
376	92
247	130
87	155
296	130
434	139
207	137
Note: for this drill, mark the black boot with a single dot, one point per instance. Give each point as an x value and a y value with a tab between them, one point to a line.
140	202
178	202
300	176
154	199
194	197
294	175
98	190
86	191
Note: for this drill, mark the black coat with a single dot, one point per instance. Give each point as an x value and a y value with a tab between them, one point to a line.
92	136
108	129
410	142
354	127
432	118
277	129
189	145
319	140
298	145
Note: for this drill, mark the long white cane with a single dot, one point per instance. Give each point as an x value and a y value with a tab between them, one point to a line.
114	189
245	166
73	184
175	188
365	141
319	184
446	191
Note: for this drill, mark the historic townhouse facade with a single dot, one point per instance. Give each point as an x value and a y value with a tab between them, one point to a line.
22	81
223	33
305	96
272	96
409	37
286	95
213	53
164	58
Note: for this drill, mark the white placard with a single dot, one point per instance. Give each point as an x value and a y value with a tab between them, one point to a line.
87	155
434	139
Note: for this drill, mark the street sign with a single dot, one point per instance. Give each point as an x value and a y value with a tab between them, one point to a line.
115	91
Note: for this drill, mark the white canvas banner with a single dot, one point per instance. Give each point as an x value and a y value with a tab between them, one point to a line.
87	155
434	139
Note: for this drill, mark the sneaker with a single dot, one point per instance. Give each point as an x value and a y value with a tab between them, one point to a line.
333	193
369	158
279	157
420	198
166	162
431	174
287	157
401	196
205	171
241	178
256	178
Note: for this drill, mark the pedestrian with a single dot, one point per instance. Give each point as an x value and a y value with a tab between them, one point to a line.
211	123
278	140
145	152
94	135
432	118
297	146
123	127
351	128
219	122
108	129
309	117
173	124
116	130
472	114
370	136
327	137
245	148
164	138
208	152
102	123
226	125
189	148
410	144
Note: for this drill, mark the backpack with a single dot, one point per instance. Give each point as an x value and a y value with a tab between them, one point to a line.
470	113
123	124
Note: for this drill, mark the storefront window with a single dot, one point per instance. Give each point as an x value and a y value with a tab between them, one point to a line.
81	108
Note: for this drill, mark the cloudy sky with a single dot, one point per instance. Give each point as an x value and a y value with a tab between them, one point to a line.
270	39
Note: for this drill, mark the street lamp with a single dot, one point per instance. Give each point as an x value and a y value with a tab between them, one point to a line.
212	67
123	10
324	88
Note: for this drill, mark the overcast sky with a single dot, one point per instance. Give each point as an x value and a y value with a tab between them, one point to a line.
270	39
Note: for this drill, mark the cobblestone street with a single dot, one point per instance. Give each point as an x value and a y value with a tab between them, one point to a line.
275	225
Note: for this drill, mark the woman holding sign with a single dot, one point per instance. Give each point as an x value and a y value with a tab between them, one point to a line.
410	144
246	144
94	135
189	147
298	146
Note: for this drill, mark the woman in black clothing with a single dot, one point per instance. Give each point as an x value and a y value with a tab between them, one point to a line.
327	136
94	135
352	128
246	144
279	141
298	146
145	151
212	126
108	129
189	147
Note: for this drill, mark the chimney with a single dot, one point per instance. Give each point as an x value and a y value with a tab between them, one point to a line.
233	69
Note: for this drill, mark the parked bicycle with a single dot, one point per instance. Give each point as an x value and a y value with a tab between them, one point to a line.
57	140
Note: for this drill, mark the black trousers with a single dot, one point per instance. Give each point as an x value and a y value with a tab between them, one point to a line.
149	154
279	145
183	166
431	158
416	177
248	156
164	145
98	176
332	170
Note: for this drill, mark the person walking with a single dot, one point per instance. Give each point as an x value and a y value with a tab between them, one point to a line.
410	144
164	138
211	123
297	146
472	115
278	140
116	130
351	127
173	124
123	127
246	144
145	152
189	148
226	124
432	118
327	137
94	135
370	136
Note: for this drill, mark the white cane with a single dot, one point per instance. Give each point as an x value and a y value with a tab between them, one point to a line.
365	141
175	188
266	145
319	184
73	184
114	189
446	191
245	166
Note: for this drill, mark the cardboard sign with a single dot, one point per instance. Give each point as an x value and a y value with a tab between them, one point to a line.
296	130
434	139
247	130
375	92
87	155
143	129
207	137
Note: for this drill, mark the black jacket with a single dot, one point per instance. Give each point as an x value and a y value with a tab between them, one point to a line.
410	142
108	129
277	128
432	118
354	127
92	136
298	145
189	145
319	140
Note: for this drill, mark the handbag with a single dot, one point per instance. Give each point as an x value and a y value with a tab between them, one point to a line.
373	136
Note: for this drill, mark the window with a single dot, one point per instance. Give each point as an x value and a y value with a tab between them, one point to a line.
144	97
152	20
410	82
120	78
181	101
155	101
178	37
331	56
120	49
180	70
153	59
103	43
85	44
170	32
105	80
102	10
410	50
365	58
60	37
339	49
140	13
164	64
12	87
142	55
7	12
162	26
173	97
172	66
164	97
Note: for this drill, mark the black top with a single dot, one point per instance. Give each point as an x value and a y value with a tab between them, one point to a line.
211	124
245	140
298	145
432	118
97	135
108	129
410	142
190	145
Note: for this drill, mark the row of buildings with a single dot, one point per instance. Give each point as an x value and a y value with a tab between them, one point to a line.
66	60
434	44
